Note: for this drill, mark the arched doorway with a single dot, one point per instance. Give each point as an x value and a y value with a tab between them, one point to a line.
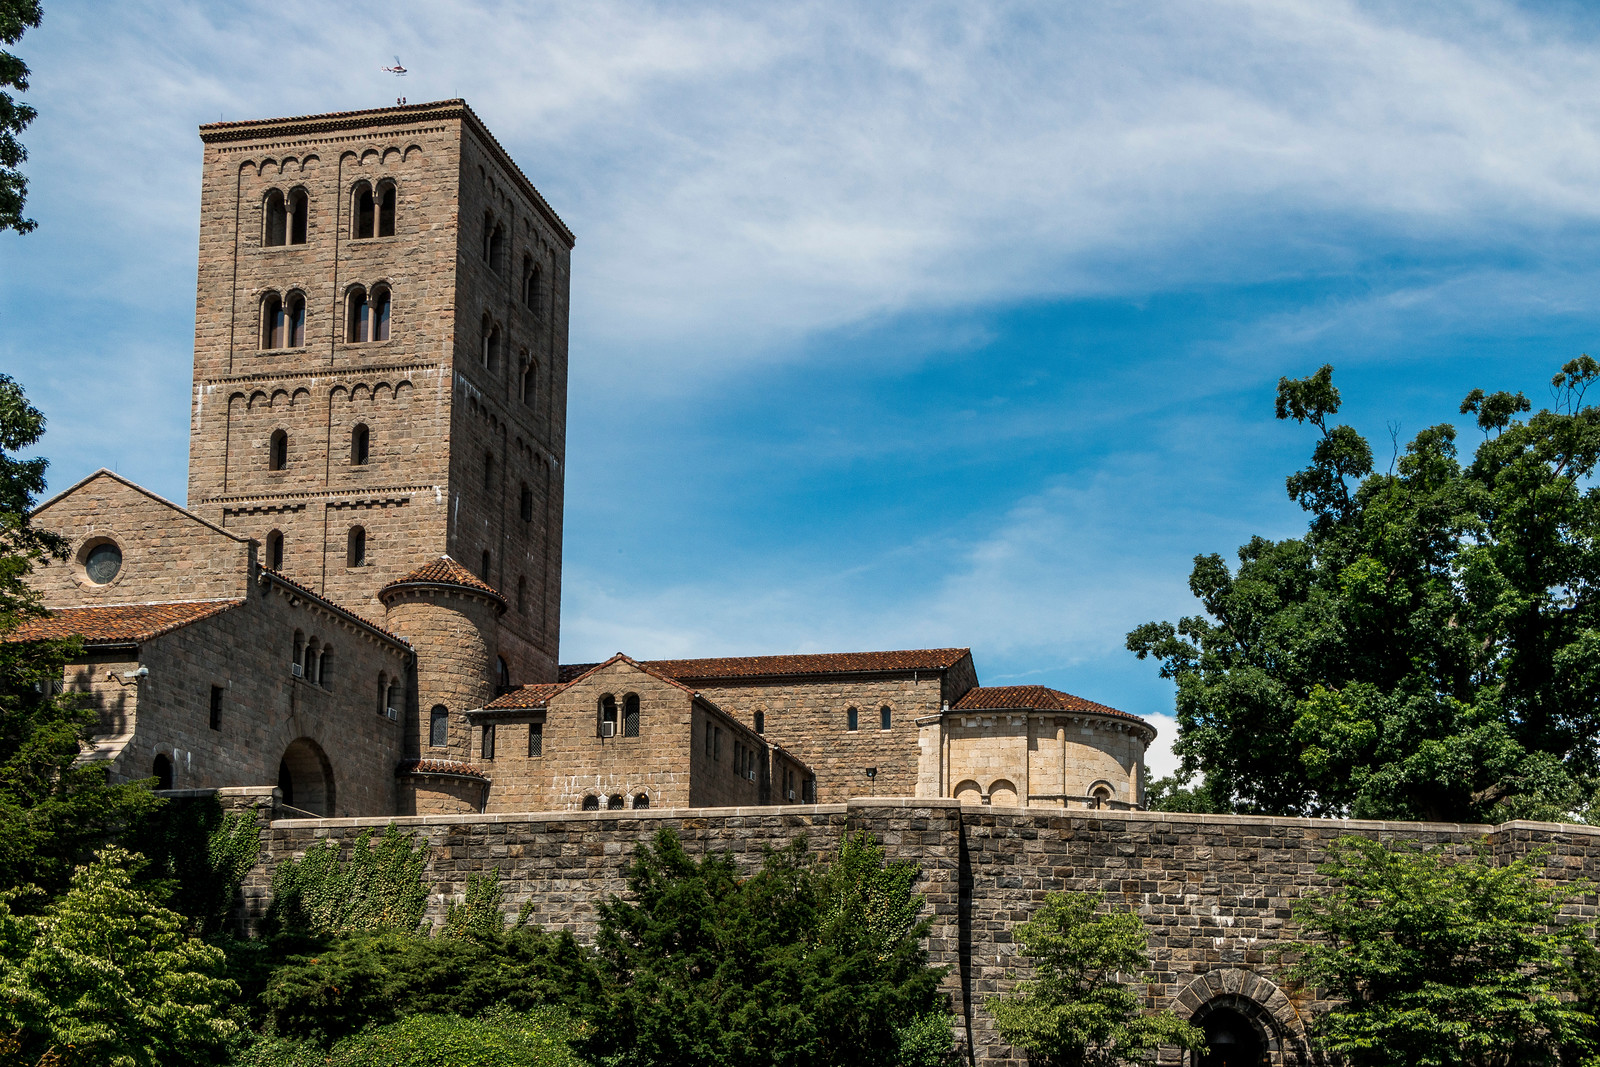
1232	1040
161	770
305	778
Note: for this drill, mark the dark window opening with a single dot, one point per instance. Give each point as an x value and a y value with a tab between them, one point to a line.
488	471
614	802
161	770
536	740
486	746
360	445
272	321
502	673
883	717
608	716
216	707
530	285
716	743
708	739
485	568
278	449
380	314
299	216
275	220
495	249
641	801
438	727
285	783
275	550
851	719
761	722
356	547
386	205
591	803
630	715
525	503
522	596
295	326
325	668
364	210
357	328
530	384
491	347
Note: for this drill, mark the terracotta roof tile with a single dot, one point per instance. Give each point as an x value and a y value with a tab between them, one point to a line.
445	571
1032	698
312	594
920	659
527	696
439	766
119	622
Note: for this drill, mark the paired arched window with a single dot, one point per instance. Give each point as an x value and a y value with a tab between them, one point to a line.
360	445
630	715
883	718
530	384
296	664
491	346
278	451
310	659
274	219
356	547
494	244
325	667
525	503
363	211
275	550
367	314
283	321
438	727
608	715
299	216
391	699
852	719
530	284
387	200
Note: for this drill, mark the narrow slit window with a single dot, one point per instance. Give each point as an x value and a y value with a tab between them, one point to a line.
356	547
491	347
630	715
852	718
485	574
357	327
380	315
295	324
497	249
883	717
386	206
325	668
275	220
360	445
275	550
535	740
761	722
530	384
278	451
525	503
530	285
438	726
363	210
299	216
216	707
272	321
522	595
486	745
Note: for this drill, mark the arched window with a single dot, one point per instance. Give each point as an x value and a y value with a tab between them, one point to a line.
486	741
380	313
494	247
761	722
438	727
274	220
522	595
1101	794
630	715
502	672
278	451
360	445
161	770
851	719
356	547
391	698
295	668
325	667
275	550
295	324
309	660
488	471
641	801
488	234
299	216
491	346
272	321
525	503
530	384
362	210
386	205
357	314
883	718
383	691
591	803
485	574
530	284
614	802
608	715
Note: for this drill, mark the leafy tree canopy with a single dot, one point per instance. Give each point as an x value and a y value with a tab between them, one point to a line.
1078	1009
16	17
1430	649
1440	961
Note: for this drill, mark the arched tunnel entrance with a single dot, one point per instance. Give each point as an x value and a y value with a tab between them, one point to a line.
305	777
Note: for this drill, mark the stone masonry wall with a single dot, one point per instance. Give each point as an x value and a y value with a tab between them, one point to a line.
1217	892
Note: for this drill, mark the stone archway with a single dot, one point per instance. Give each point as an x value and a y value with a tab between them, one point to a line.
305	777
1250	1014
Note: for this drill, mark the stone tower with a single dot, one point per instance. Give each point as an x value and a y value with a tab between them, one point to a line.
380	359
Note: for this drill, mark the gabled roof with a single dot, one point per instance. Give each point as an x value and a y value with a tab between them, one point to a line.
1033	698
136	487
268	574
119	623
919	659
538	695
446	571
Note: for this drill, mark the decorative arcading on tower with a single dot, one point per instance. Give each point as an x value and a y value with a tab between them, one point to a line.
451	618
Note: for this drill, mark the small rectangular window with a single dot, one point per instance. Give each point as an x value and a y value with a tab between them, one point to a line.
716	743
536	740
883	714
708	739
216	707
488	741
438	728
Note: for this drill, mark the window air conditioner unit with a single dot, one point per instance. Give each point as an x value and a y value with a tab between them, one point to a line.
393	713
608	729
791	794
298	670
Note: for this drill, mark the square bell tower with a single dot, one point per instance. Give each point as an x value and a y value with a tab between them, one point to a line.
380	359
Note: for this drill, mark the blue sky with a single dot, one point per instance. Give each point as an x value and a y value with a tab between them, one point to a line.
893	325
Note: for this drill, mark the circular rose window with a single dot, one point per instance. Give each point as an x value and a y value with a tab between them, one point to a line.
103	562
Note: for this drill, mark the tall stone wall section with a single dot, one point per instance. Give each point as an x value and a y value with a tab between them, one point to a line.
1217	892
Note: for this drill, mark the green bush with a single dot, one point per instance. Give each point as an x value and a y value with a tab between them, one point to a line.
502	1039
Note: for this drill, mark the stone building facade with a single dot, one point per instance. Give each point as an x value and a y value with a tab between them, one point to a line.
378	433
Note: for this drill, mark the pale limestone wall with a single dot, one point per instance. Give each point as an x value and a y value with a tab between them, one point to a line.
166	554
1031	758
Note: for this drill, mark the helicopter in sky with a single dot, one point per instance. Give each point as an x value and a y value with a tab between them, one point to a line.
398	69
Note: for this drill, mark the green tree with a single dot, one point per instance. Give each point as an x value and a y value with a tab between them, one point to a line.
790	966
497	1039
106	977
1429	649
1078	1009
1442	961
16	17
54	810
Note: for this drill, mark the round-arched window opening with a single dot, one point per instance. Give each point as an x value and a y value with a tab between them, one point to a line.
161	771
1231	1040
102	562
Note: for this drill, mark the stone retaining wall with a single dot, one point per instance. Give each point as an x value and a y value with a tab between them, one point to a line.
1216	891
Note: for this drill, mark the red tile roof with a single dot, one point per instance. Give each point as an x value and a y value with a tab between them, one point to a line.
439	766
340	609
116	623
445	571
528	696
1032	698
919	659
